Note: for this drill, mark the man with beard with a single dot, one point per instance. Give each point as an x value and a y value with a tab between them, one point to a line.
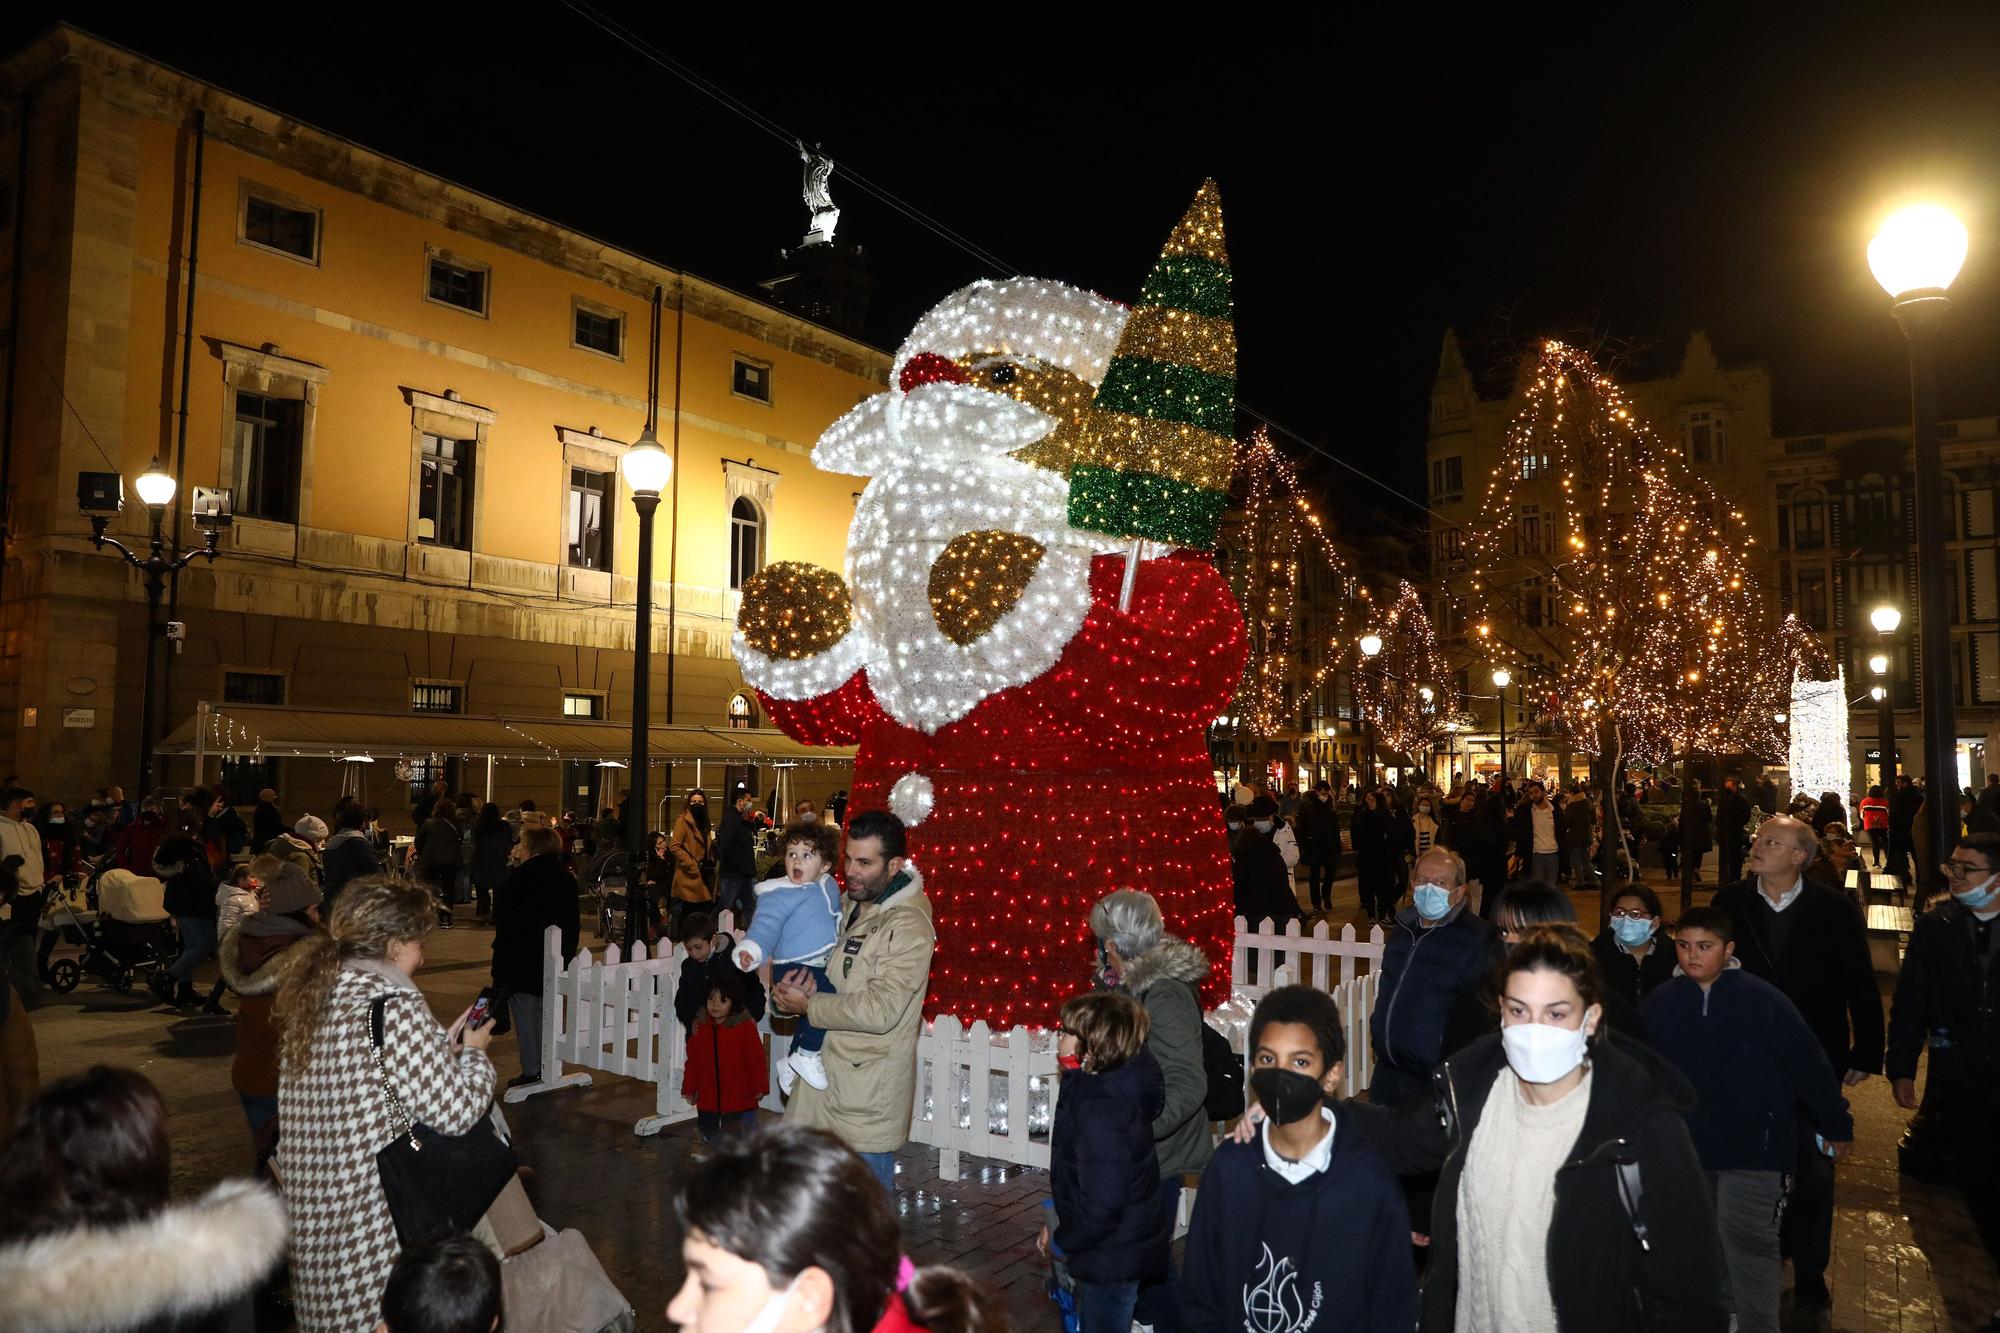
883	957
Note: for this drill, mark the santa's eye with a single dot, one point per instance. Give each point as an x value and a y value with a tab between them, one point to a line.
1001	374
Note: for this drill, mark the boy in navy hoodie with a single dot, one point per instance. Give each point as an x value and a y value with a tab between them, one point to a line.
1754	1063
1304	1227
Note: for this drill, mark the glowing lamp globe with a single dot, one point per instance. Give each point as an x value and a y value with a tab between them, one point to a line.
646	465
1426	693
1502	678
155	486
1919	248
1371	645
1879	664
1878	694
1780	718
1885	619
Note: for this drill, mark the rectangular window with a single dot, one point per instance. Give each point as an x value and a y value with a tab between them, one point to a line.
1808	525
270	434
1810	444
1528	519
599	331
444	493
1531	602
1534	465
583	705
1704	436
751	379
1812	599
1979	580
253	687
282	227
457	282
428	696
587	531
1447	478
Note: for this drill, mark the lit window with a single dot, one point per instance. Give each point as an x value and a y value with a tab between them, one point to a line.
583	705
433	697
587	523
746	542
742	713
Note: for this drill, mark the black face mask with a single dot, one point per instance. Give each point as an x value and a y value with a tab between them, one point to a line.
1286	1095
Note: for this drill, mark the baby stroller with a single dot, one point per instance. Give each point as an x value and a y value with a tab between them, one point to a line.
122	924
604	879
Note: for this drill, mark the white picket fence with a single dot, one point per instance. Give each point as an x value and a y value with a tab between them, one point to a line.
980	1092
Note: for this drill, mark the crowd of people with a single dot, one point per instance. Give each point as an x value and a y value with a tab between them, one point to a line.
1634	1128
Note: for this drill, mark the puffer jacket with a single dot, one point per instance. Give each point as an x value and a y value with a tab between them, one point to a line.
1104	1176
350	854
881	969
299	852
192	1267
1423	970
257	958
1166	979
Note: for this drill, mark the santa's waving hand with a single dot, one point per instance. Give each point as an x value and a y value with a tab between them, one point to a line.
1044	747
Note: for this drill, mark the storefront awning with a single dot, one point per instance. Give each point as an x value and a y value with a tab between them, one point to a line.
331	733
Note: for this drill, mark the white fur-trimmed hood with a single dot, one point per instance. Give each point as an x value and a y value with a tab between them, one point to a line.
187	1259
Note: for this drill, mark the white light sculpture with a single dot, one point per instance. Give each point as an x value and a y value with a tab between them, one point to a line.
1819	754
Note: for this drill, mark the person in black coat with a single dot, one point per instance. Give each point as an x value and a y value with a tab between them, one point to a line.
1263	884
736	857
1948	998
1318	831
1732	816
708	957
1632	954
1378	855
1697	831
541	892
267	821
1104	1177
1808	940
1903	807
1829	811
1474	828
1656	1264
181	862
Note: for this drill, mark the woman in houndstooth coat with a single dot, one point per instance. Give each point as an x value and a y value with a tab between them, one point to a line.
332	1114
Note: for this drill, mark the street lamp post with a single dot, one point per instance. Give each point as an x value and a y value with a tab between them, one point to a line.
100	496
1371	648
1915	256
1502	678
1882	665
646	467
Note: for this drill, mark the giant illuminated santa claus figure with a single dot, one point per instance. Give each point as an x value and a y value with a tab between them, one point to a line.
1036	722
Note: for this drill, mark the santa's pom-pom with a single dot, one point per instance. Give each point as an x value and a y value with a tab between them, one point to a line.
930	368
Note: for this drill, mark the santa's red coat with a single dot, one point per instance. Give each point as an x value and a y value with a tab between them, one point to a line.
1095	776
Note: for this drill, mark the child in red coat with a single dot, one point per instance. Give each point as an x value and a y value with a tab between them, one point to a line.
727	1070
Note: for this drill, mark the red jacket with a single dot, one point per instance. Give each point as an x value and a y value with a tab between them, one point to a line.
730	1075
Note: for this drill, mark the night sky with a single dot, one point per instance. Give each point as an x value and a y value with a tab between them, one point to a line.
1516	173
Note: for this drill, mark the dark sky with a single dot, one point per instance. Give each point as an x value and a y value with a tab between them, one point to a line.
1522	172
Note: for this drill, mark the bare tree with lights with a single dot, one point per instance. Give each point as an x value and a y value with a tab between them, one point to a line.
1277	535
1613	578
1401	689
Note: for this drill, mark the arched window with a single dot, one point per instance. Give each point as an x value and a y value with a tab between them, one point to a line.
746	541
742	712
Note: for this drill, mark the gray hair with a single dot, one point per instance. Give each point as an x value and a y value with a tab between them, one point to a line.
1129	921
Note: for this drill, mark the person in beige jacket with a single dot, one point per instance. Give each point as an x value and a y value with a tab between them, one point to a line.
881	967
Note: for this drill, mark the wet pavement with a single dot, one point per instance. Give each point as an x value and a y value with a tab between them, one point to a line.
1906	1254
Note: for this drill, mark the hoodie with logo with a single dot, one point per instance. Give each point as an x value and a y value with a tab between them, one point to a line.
1329	1254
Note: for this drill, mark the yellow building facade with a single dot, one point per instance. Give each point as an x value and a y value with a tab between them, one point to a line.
418	397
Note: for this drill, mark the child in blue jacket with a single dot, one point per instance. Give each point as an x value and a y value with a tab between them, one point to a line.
1103	1172
796	922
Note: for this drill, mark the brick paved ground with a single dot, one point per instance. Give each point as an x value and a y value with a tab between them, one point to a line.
1906	1255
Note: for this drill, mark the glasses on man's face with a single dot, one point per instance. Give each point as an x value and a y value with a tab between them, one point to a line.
1960	869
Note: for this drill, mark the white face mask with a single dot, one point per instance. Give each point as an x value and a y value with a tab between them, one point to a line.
1263	826
766	1320
1542	1052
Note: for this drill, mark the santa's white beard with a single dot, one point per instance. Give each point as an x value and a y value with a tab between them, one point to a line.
902	524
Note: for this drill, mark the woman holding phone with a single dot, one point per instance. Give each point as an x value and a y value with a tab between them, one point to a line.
332	1113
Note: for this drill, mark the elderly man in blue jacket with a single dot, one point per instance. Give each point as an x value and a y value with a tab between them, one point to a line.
1438	948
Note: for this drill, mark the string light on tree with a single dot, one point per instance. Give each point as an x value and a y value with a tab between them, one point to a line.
1392	686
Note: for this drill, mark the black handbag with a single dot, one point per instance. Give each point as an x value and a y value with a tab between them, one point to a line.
436	1184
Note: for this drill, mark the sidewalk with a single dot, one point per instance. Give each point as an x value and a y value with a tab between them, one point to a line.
1906	1254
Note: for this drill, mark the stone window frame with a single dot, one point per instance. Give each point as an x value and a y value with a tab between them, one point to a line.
770	378
745	480
245	187
595	452
584	303
434	252
448	415
268	371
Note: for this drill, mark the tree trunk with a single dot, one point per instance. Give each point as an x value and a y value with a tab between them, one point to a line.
1687	861
1610	758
